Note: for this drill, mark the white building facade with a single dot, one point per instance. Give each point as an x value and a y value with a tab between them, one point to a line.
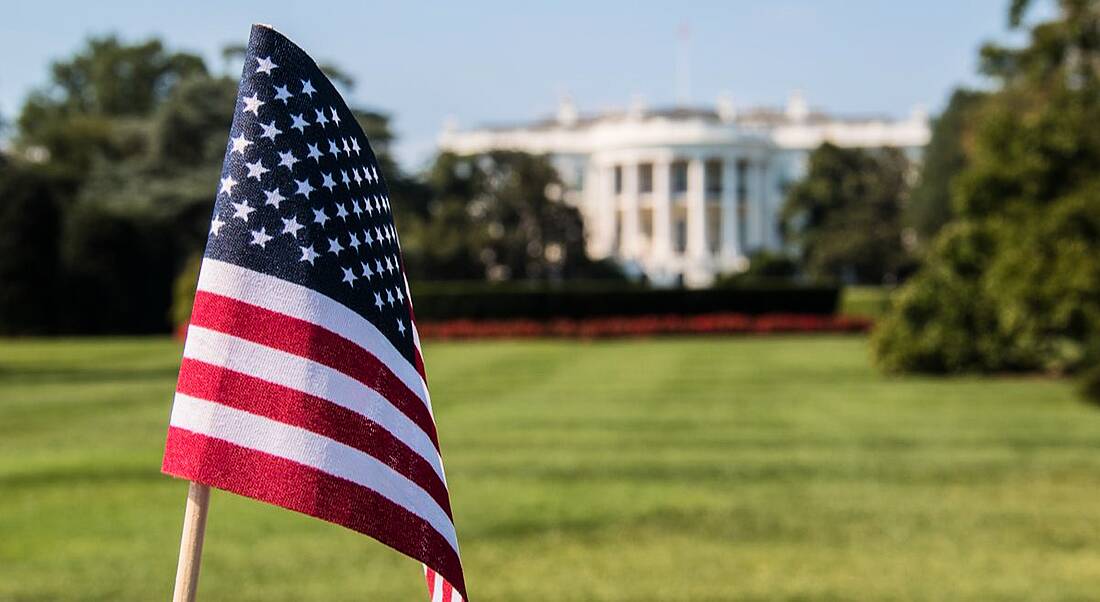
684	195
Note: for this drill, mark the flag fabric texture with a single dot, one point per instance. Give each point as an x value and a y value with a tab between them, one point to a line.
302	382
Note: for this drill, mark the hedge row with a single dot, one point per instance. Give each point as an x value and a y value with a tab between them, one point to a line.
453	302
640	326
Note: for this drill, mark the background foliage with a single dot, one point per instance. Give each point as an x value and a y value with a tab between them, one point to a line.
1012	282
107	196
844	217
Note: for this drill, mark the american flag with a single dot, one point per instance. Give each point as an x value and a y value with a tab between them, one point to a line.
302	382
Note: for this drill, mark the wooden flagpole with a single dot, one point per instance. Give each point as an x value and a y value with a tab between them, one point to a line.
194	529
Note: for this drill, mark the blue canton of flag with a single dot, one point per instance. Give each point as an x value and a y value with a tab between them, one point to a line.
301	196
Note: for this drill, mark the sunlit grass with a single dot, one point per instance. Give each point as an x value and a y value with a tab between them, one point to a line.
670	469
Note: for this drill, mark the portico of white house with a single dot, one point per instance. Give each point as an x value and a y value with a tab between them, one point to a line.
681	214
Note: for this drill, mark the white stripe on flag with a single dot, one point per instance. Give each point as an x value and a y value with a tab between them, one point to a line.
297	301
301	374
437	591
415	334
310	449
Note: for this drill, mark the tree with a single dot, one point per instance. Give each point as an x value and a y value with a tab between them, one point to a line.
929	206
85	110
111	187
499	216
1027	204
844	217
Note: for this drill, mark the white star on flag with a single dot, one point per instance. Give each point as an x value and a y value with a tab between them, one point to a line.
227	185
270	131
265	65
281	93
273	197
291	226
256	169
307	88
240	143
252	104
308	254
260	237
349	276
287	160
242	210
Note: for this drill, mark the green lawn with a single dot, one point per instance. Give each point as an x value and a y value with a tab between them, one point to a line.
674	469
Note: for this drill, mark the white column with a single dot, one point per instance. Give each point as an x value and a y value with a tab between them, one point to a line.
662	211
696	210
608	209
593	210
731	247
763	193
631	225
753	206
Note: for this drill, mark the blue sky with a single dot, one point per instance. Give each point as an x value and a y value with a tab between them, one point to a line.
482	62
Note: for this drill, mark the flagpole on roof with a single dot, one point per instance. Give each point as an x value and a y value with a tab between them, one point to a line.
194	529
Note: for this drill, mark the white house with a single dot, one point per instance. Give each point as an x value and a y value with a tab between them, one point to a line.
684	194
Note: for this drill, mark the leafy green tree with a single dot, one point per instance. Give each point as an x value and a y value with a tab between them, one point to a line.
499	216
844	217
85	110
1029	199
929	205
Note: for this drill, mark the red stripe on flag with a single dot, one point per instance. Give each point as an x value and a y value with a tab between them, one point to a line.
281	482
308	340
293	407
418	362
429	576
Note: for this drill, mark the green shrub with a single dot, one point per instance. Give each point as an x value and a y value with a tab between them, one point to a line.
765	267
591	299
996	295
578	299
865	301
31	204
1090	373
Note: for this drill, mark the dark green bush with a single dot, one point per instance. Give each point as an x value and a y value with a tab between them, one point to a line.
582	300
1090	373
31	204
765	268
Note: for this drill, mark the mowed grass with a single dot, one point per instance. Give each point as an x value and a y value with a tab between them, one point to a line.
669	469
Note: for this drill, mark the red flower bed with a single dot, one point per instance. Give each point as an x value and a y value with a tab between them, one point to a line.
643	326
592	328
